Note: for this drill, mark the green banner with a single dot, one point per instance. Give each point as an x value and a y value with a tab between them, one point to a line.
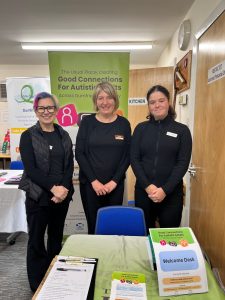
74	76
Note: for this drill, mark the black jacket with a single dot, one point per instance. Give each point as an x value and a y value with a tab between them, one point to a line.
160	153
36	180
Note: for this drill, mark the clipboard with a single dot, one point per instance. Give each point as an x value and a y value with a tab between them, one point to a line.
91	290
61	269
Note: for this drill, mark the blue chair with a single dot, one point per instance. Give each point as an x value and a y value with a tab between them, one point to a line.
16	165
120	220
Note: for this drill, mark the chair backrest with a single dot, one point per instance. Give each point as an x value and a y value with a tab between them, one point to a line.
16	165
120	220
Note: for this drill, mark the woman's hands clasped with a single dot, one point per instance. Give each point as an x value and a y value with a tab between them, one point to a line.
59	192
156	194
103	189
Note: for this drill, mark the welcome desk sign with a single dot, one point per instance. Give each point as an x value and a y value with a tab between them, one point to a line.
179	260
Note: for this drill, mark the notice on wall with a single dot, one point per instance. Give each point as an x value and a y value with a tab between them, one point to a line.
137	101
179	260
216	72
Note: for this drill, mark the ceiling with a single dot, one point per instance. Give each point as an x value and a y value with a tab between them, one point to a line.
87	21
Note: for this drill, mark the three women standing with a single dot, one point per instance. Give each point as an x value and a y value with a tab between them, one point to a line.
160	155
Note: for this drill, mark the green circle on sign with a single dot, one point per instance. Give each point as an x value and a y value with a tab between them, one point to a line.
27	93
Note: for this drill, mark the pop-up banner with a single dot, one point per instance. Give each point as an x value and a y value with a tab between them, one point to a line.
74	76
179	260
20	95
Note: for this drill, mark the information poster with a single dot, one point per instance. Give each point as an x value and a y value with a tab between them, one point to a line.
20	95
74	76
179	260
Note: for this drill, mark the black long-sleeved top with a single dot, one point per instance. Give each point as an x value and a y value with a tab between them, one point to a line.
160	153
56	174
103	149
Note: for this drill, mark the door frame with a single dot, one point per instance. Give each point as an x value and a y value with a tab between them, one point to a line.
191	109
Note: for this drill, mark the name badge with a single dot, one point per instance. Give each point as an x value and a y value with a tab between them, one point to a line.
171	134
119	137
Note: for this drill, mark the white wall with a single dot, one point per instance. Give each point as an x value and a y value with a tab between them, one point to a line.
198	14
23	71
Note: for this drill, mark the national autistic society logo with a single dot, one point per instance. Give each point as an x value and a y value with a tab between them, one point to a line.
67	115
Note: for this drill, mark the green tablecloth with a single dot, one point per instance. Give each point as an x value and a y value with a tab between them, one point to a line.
126	253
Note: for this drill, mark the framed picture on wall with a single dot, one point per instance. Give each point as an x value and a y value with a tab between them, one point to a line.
182	73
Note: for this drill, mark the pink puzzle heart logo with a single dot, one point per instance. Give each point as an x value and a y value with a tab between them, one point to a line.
67	115
163	242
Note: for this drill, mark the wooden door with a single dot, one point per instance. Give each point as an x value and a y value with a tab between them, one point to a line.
139	83
207	211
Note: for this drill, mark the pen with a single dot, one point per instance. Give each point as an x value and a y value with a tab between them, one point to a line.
79	258
88	260
76	263
66	269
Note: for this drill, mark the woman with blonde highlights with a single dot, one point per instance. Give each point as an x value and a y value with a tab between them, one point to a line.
102	152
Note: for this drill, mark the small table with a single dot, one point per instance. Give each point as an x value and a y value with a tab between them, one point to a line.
127	253
4	157
12	206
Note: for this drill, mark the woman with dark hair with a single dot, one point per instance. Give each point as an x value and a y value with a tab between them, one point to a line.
46	152
160	155
103	154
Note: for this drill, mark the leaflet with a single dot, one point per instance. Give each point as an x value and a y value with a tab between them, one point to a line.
179	260
128	286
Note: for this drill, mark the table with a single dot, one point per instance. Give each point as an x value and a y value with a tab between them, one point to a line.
12	206
4	157
126	253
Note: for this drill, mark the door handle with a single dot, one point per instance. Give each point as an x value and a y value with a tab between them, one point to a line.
192	170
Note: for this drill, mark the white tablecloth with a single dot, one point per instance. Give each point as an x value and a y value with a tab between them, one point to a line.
12	205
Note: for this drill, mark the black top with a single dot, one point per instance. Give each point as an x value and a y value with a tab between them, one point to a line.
102	149
56	175
160	153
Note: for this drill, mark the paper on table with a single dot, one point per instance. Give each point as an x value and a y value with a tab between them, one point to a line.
127	291
128	286
67	282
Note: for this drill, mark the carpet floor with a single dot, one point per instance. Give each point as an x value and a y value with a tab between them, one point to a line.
13	275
